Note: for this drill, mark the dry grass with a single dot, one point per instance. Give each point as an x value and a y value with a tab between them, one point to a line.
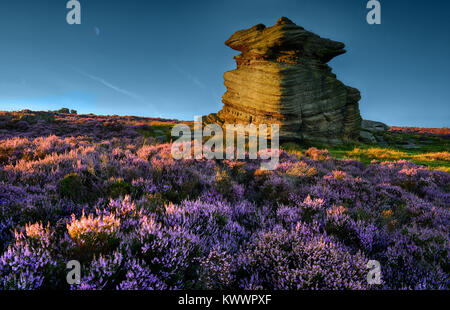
417	130
441	168
377	153
442	156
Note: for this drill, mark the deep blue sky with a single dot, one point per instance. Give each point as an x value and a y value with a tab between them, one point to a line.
167	58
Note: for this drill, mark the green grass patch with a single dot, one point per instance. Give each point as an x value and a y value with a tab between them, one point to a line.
432	152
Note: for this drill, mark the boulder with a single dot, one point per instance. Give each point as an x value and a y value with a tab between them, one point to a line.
32	117
282	77
367	137
373	126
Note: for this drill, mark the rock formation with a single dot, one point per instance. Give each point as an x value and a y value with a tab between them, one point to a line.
373	126
372	132
282	77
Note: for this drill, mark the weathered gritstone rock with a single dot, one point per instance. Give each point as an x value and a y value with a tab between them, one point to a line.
282	78
371	132
374	126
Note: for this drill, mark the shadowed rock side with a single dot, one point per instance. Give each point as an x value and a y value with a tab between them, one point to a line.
282	77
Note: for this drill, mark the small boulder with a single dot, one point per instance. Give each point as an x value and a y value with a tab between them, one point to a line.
407	144
367	137
373	126
381	141
34	117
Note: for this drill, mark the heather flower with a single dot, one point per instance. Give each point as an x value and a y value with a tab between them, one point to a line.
94	234
339	175
104	272
299	259
301	169
317	154
24	266
168	251
387	214
140	277
216	271
38	234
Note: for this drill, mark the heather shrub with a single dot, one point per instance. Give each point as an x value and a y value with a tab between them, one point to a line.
308	209
407	179
146	152
104	272
51	144
177	192
355	234
224	184
140	277
301	258
22	125
276	188
5	154
112	125
71	187
216	271
123	210
25	268
215	223
118	188
38	235
238	171
14	149
29	263
317	154
168	251
409	267
301	170
94	235
80	187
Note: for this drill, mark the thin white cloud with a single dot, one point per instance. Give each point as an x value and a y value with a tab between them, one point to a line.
111	86
190	77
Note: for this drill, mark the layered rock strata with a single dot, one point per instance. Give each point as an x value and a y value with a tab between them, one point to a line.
282	77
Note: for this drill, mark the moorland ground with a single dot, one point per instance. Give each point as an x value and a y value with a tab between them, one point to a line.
104	190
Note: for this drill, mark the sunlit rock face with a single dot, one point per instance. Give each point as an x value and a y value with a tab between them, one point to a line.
282	77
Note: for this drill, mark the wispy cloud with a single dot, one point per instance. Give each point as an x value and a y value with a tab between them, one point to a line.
111	86
190	77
